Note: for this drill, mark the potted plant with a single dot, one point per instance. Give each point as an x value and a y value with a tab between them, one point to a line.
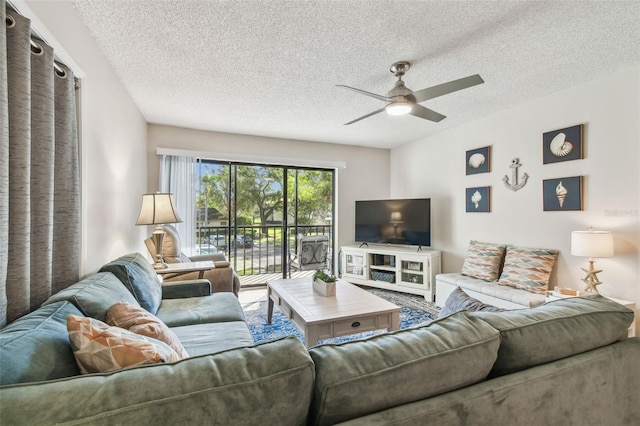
324	283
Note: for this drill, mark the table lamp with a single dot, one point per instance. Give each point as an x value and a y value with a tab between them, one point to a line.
396	218
158	209
592	244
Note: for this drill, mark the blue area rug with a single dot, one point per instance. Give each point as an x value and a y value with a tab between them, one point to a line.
414	310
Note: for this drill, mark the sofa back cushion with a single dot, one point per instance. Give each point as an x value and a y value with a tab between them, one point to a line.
94	295
138	276
556	330
36	346
267	384
365	376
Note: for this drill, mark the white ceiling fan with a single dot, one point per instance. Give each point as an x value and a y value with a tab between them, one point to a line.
401	100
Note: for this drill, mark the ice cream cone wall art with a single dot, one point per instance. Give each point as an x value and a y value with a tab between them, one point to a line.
562	194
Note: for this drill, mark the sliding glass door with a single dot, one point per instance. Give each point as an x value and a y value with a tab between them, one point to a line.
255	214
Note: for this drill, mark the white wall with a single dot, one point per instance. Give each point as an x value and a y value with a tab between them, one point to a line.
365	177
113	144
610	110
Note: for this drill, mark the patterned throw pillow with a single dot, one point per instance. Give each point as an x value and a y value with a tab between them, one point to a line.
138	320
483	260
99	348
528	268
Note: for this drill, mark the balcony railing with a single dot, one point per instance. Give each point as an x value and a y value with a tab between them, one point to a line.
254	250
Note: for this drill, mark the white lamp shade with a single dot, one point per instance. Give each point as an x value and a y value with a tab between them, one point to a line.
396	217
157	209
592	243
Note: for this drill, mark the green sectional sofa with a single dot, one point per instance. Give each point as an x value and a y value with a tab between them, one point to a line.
565	362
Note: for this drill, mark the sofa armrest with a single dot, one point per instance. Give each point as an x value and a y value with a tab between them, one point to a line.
184	289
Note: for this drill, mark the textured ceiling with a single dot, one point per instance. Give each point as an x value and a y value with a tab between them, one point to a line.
269	68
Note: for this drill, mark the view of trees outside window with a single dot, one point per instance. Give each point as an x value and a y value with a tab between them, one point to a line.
240	211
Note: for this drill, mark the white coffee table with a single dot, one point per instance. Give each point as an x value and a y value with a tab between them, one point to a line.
352	310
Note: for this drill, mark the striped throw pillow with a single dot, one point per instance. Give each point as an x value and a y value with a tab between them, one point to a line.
483	260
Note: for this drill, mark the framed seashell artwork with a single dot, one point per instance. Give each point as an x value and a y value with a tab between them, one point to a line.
478	199
562	194
562	145
478	160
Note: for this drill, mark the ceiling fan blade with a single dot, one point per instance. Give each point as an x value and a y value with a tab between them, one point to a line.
426	113
445	88
365	116
363	92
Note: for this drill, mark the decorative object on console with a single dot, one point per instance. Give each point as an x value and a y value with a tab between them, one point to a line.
483	260
592	244
478	160
528	268
478	199
515	184
158	209
562	194
562	145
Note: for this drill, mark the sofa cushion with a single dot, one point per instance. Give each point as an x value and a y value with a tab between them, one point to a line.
483	260
458	301
528	268
36	346
94	295
365	376
100	348
139	277
218	307
556	330
267	384
202	339
140	321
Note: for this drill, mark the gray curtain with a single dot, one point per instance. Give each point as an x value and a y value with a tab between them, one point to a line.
39	171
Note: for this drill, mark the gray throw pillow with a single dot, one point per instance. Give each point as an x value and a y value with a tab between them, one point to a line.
458	301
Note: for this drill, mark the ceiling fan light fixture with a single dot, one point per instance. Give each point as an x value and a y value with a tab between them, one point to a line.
399	108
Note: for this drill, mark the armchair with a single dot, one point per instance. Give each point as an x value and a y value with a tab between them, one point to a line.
311	253
222	277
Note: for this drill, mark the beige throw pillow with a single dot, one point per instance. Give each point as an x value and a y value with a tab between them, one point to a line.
140	321
99	348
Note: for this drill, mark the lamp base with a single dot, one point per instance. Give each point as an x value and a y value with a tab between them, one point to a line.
591	279
158	238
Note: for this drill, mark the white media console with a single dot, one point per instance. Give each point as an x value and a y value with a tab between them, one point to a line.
398	268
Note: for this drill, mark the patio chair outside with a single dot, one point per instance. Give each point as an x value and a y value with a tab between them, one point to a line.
311	253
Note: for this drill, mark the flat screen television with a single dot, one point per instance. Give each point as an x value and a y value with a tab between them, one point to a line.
403	221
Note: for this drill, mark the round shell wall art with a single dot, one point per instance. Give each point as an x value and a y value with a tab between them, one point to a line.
478	160
562	145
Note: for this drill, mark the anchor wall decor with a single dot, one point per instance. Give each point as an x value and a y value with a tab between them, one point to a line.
515	185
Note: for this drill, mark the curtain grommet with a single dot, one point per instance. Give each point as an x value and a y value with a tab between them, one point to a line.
36	49
10	21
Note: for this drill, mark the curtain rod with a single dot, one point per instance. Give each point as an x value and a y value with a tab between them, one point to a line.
41	33
59	70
